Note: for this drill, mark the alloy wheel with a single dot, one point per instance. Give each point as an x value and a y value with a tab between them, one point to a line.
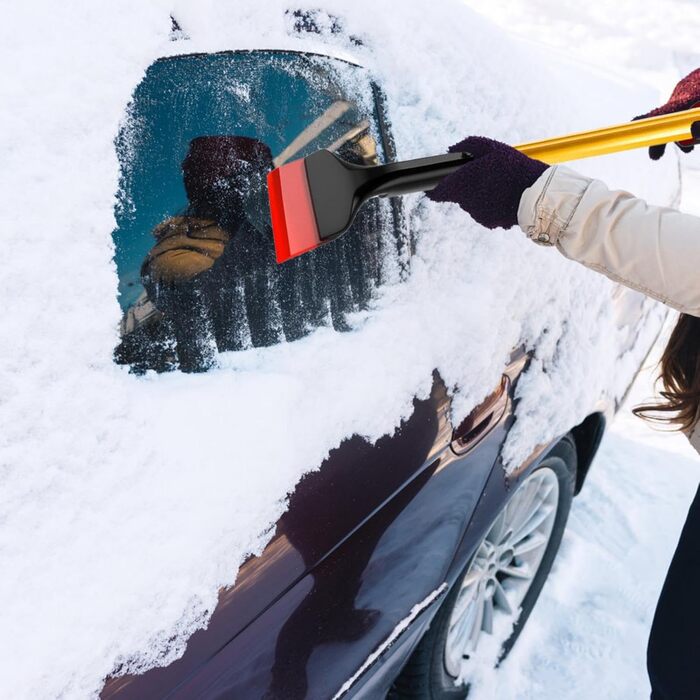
502	570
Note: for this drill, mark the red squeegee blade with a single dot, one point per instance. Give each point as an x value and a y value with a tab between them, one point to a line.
294	226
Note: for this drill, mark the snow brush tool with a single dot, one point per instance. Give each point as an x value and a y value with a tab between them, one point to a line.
315	199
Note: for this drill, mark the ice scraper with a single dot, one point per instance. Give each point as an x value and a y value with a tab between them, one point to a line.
314	200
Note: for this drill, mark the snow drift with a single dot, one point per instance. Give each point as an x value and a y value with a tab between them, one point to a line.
127	501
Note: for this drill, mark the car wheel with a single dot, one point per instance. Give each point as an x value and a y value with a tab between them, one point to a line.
492	598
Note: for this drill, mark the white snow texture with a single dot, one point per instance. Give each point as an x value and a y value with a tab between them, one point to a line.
126	502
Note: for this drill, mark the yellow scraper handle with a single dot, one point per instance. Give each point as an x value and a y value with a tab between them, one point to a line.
611	139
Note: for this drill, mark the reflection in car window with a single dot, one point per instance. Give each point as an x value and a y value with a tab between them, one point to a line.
194	251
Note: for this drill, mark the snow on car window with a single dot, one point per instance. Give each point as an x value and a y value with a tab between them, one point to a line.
194	251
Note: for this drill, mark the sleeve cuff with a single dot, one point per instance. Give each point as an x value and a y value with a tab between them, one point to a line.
547	207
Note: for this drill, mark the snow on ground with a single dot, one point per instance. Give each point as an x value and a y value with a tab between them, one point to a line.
587	636
119	520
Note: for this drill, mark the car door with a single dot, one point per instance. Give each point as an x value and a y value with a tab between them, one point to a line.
368	535
376	527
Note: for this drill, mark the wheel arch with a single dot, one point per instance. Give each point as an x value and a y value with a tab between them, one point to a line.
587	436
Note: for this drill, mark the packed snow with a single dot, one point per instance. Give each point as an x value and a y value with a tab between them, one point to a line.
128	501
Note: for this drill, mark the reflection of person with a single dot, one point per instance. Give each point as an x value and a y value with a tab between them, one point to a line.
190	271
652	249
331	612
211	281
209	277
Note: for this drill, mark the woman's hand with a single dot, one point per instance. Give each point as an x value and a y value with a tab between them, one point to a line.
686	95
490	186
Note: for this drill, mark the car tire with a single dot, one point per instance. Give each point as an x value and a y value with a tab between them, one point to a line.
425	675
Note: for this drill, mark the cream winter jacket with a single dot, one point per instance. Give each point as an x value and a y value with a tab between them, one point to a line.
655	250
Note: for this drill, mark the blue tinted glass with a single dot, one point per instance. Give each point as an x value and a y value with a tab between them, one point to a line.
193	276
272	97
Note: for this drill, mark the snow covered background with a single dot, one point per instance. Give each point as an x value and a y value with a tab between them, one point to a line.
119	523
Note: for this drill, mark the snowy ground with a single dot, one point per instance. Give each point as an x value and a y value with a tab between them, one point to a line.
587	637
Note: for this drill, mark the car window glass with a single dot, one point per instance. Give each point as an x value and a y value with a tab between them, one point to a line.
194	252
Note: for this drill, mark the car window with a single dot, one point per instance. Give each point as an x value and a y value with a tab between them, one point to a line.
193	243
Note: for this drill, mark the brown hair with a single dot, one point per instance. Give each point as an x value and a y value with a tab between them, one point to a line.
680	375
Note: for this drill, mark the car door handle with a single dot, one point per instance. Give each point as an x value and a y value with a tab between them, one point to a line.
486	416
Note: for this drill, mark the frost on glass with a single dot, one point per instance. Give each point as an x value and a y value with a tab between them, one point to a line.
194	251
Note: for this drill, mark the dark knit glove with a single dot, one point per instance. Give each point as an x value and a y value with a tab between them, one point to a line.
490	186
685	96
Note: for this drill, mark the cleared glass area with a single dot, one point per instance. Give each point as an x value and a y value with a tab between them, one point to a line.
194	251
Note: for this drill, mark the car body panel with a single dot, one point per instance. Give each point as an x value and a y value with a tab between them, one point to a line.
376	528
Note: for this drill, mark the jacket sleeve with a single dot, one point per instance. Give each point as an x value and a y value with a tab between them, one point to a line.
655	250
